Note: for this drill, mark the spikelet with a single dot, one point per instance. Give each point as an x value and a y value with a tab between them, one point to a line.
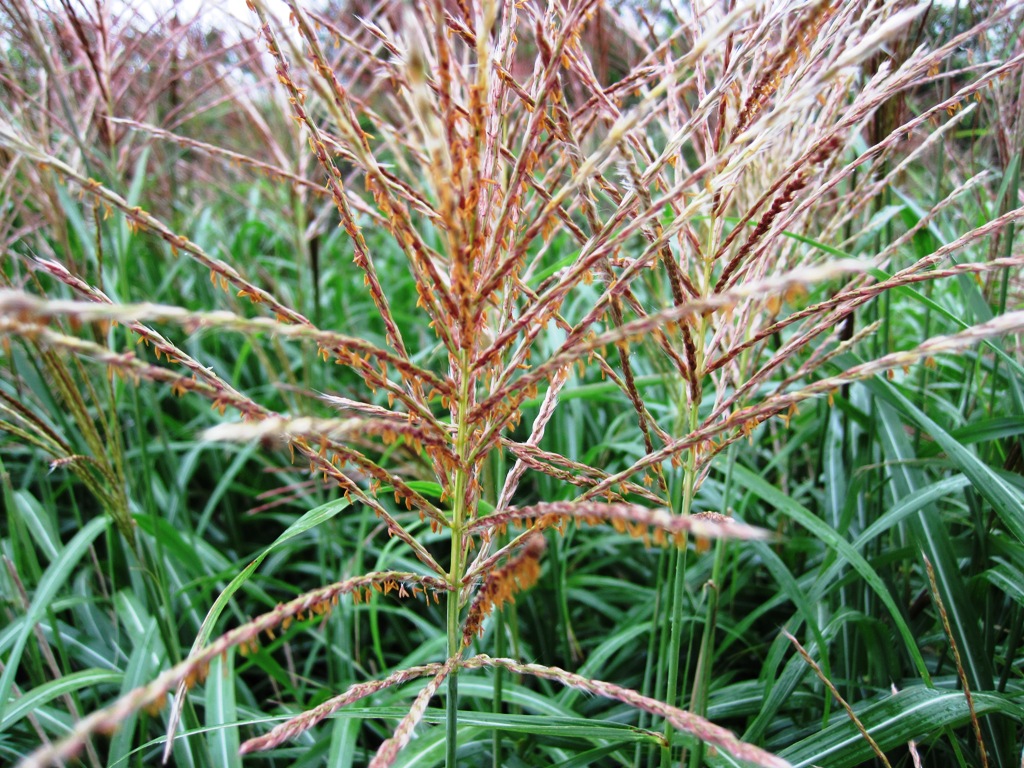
500	586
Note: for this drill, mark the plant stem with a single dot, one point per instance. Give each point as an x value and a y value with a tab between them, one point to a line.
684	496
452	704
459	515
678	586
702	677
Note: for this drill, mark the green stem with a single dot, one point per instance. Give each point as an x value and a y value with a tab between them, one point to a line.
685	497
655	658
494	468
452	704
702	677
455	574
678	585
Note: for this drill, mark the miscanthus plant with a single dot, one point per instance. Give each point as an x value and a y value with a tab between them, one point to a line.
695	219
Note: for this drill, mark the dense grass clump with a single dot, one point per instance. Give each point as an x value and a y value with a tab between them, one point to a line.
523	383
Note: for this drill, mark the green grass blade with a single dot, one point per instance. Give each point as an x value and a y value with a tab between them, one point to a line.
344	736
1007	501
308	521
830	538
53	579
221	714
41	695
913	713
138	672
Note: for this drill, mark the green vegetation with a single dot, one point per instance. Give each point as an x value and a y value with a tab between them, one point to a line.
512	384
